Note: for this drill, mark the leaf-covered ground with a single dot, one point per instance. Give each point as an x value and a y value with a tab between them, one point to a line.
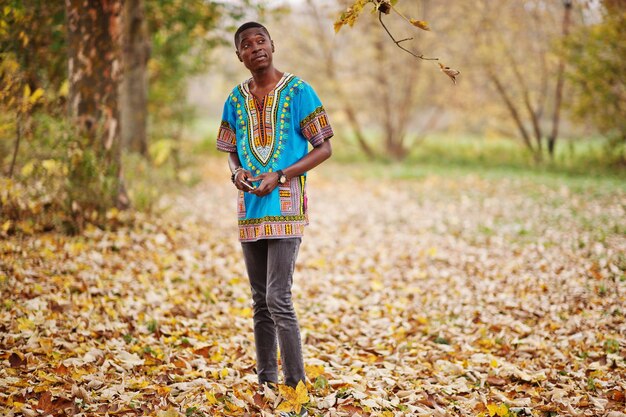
438	296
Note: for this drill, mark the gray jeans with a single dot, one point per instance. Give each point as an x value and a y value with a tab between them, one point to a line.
270	264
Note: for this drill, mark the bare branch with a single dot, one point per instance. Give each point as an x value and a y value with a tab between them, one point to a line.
380	18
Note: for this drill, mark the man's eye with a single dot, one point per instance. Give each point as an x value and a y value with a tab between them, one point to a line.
262	41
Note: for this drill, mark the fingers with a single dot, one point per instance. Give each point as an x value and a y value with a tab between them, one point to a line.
261	190
260	177
265	187
239	178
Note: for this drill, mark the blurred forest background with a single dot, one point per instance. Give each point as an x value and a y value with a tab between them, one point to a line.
108	104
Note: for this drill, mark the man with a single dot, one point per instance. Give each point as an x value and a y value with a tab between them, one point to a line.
268	123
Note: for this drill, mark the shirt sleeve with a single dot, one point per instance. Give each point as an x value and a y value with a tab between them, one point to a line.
312	117
226	136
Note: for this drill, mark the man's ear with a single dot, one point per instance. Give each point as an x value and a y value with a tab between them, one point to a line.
273	49
238	56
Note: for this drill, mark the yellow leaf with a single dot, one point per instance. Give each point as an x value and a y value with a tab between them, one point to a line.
497	410
26	91
6	226
314	371
161	150
294	399
494	363
28	169
51	165
36	96
210	397
217	356
420	24
224	373
25	324
245	312
64	90
170	412
24	37
377	285
139	384
351	14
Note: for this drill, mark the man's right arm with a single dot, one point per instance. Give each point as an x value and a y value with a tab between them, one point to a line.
238	171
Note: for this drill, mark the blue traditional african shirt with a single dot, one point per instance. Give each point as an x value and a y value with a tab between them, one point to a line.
268	135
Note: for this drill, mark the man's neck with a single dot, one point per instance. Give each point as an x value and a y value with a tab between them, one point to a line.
265	79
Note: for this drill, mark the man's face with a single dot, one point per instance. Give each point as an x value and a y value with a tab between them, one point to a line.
255	49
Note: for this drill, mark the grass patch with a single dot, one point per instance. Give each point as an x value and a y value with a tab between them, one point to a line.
581	165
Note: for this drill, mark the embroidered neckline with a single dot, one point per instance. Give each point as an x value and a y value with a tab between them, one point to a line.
261	138
246	87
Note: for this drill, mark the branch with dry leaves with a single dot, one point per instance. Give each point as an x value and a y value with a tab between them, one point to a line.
384	7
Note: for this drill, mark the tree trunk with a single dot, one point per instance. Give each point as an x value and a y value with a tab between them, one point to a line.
134	85
532	113
614	5
393	136
559	83
18	137
94	67
514	113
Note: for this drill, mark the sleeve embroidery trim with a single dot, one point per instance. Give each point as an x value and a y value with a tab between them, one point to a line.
226	138
316	127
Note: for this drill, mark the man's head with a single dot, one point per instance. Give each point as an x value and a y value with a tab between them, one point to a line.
249	25
254	46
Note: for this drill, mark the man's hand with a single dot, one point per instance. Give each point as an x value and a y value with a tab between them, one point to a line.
269	181
242	174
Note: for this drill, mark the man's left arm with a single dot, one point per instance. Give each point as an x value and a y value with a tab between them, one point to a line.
269	180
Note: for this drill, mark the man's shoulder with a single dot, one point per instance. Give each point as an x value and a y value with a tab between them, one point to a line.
235	92
298	84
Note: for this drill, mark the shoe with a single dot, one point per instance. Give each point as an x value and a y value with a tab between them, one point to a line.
302	413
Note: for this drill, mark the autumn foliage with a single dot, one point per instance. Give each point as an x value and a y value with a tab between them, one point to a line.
454	295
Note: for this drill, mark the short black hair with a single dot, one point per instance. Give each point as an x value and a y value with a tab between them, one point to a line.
249	25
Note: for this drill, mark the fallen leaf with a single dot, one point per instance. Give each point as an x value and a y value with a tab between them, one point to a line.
293	399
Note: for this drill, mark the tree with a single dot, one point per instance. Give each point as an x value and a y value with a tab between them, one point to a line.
376	87
596	73
558	98
32	40
182	37
514	42
163	42
94	74
328	52
134	85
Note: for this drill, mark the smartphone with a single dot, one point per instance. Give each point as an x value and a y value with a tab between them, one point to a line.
248	185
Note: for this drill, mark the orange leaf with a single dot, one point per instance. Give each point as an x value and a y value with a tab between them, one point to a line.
420	24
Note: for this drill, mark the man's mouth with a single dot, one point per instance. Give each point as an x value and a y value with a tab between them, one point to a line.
258	58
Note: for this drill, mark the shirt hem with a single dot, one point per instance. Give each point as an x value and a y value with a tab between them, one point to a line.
271	230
